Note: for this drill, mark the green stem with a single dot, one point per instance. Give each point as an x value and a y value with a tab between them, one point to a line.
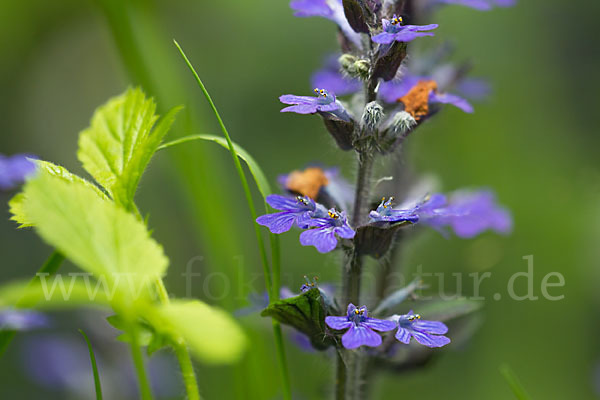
187	372
272	283
340	381
138	362
50	267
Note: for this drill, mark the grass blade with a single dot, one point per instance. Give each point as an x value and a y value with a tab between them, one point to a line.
94	367
514	383
273	289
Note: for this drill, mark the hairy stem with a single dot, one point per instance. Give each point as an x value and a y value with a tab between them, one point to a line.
187	372
138	362
348	380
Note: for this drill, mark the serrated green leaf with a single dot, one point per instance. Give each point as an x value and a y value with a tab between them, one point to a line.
306	313
212	334
120	142
97	235
47	168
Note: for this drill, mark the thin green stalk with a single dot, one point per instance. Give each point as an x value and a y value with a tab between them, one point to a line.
181	351
50	267
187	372
272	284
138	363
94	367
238	167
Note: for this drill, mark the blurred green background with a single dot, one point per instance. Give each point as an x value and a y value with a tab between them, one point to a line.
534	141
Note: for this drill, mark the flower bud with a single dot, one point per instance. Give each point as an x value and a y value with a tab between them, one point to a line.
401	123
372	116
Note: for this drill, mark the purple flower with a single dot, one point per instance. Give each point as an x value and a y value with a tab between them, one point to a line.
466	213
386	213
293	211
330	78
322	231
324	102
428	333
394	31
22	320
331	9
14	170
482	5
360	327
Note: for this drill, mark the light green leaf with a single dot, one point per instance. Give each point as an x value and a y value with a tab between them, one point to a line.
120	142
47	168
212	334
259	177
97	235
53	293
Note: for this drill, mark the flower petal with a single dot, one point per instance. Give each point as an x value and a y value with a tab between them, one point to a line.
382	325
384	38
345	232
301	109
338	323
403	335
322	238
283	203
278	222
436	327
430	340
293	99
448	98
360	336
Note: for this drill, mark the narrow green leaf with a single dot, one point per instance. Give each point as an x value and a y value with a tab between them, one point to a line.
444	310
120	142
212	334
514	383
47	168
94	367
259	177
306	313
97	235
397	297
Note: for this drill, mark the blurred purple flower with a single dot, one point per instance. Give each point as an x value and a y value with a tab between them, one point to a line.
428	333
14	170
466	213
391	91
474	88
322	231
482	5
294	211
394	31
331	9
22	320
330	78
361	328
